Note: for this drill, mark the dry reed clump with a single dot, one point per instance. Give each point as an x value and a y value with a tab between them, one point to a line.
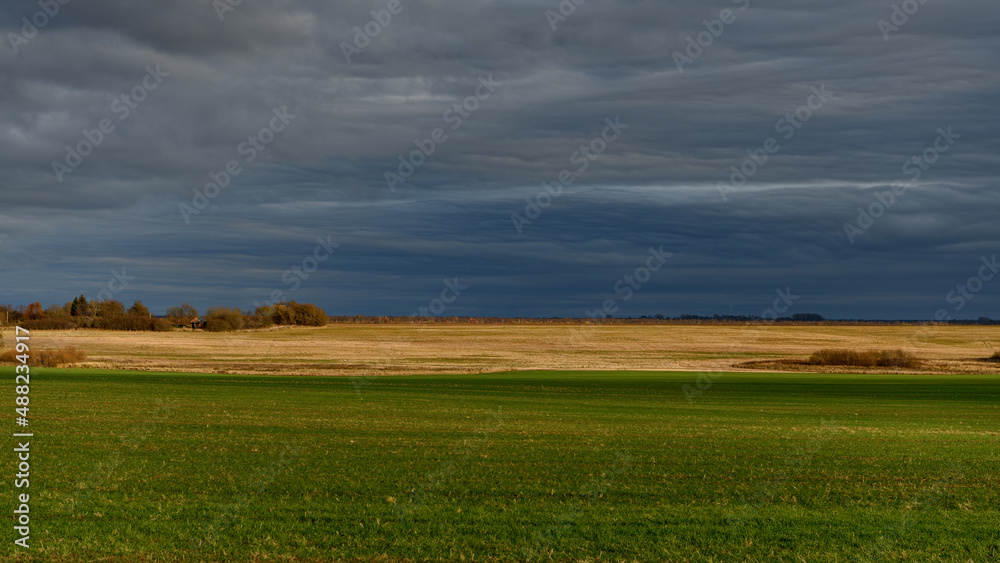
866	358
46	358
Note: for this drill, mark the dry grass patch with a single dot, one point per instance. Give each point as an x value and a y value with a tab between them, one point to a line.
46	358
369	349
864	358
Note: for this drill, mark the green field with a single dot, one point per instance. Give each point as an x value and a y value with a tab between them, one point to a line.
589	466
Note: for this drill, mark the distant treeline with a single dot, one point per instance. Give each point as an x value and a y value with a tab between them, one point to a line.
112	315
801	318
109	314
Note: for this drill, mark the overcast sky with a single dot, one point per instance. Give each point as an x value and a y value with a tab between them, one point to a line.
834	100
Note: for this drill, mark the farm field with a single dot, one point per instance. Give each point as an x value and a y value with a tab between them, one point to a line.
541	465
386	349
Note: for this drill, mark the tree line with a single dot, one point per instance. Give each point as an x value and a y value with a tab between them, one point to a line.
112	315
109	314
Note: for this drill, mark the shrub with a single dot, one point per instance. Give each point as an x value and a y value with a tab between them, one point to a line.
131	322
46	358
34	311
57	312
866	358
282	314
49	323
109	308
53	358
220	319
258	321
160	325
139	310
181	315
995	357
308	314
79	307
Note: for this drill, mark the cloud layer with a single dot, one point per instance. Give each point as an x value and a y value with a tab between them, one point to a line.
760	143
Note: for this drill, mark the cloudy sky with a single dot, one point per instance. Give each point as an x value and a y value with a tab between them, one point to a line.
845	152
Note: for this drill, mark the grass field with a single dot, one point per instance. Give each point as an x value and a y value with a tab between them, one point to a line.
588	466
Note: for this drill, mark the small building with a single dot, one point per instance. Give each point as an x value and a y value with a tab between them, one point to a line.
197	322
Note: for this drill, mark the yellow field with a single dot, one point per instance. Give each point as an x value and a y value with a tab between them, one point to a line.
361	350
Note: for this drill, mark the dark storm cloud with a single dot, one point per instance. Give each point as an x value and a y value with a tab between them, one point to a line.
658	183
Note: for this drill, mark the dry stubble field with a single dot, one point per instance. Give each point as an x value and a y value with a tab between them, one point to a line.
364	350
